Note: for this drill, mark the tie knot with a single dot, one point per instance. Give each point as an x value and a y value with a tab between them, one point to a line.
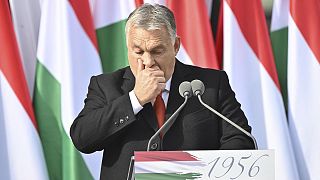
159	99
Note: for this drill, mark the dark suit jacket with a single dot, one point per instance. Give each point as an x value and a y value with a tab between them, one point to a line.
107	121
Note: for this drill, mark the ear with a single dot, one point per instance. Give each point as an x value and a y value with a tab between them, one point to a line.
177	45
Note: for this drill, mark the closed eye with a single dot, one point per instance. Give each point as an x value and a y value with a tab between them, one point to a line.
157	51
139	52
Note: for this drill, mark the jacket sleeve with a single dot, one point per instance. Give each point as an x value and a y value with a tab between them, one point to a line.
101	120
232	138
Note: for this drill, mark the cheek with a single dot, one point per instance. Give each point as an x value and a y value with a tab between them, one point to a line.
133	65
166	62
168	66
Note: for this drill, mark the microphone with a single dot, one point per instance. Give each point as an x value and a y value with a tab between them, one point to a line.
185	91
198	89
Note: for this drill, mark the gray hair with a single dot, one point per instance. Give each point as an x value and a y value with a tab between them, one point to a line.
152	17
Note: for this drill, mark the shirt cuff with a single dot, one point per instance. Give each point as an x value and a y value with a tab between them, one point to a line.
136	106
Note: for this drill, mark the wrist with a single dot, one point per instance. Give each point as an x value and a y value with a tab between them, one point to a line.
140	100
136	106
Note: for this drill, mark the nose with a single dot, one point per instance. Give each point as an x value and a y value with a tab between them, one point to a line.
148	60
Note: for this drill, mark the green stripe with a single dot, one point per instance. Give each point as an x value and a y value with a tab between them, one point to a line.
279	40
64	162
167	176
112	46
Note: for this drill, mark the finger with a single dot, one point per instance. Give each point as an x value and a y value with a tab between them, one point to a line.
154	68
157	73
162	86
161	80
140	66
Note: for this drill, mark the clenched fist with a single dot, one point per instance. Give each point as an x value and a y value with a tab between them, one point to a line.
150	82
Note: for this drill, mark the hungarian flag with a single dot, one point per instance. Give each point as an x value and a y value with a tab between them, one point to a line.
249	62
279	40
304	84
26	20
193	26
168	165
110	20
67	57
20	150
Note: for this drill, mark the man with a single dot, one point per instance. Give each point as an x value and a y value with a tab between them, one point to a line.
121	109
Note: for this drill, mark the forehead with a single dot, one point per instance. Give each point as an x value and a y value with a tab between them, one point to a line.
140	36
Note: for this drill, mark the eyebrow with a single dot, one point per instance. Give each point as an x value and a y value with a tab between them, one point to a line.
161	46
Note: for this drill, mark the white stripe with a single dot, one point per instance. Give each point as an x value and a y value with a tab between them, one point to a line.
69	55
209	4
183	56
304	102
63	40
260	98
26	19
168	166
162	2
109	12
19	139
280	13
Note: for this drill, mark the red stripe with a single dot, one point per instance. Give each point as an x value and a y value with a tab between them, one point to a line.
163	156
82	10
193	26
138	2
251	19
306	16
10	62
219	37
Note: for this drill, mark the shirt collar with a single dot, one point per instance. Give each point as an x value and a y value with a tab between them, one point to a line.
168	85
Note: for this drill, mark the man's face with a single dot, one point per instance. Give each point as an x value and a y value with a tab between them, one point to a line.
154	48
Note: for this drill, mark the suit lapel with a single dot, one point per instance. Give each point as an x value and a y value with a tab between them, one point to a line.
175	100
148	114
128	80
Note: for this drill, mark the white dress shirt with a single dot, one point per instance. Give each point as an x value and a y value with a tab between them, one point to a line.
136	106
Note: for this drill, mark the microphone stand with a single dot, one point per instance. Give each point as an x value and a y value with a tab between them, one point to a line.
131	170
229	121
164	128
186	92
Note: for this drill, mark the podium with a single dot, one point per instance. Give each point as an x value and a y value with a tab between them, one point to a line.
206	164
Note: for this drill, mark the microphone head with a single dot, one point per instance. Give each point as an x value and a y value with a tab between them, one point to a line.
197	87
185	89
